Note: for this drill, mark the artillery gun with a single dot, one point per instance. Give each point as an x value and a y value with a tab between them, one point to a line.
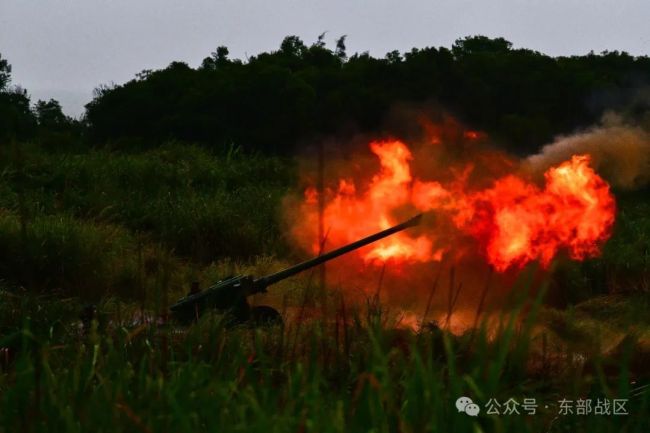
230	295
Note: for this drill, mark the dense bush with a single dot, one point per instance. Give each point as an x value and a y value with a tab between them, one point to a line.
200	205
275	101
91	260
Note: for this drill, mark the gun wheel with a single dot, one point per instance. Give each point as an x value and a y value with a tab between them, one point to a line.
263	315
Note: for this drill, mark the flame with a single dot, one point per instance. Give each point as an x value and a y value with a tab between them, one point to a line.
511	221
351	215
519	222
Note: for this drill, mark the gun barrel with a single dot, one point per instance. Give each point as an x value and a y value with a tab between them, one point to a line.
263	282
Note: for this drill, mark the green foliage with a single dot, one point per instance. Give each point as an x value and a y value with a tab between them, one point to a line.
16	118
200	205
102	222
480	45
50	115
521	97
55	129
5	73
60	253
154	378
217	60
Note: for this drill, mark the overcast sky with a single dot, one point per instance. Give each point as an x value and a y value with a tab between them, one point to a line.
63	49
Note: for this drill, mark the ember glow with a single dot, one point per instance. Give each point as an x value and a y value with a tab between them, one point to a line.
511	222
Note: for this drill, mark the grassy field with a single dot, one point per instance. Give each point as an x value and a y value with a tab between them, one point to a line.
130	231
353	372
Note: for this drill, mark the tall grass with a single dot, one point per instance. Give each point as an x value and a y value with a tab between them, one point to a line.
155	378
74	257
202	205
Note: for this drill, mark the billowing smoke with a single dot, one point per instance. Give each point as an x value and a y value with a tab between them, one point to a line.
619	152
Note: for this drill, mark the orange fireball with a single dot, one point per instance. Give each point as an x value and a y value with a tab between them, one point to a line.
512	221
517	222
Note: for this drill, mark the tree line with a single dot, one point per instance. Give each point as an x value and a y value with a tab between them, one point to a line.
275	101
